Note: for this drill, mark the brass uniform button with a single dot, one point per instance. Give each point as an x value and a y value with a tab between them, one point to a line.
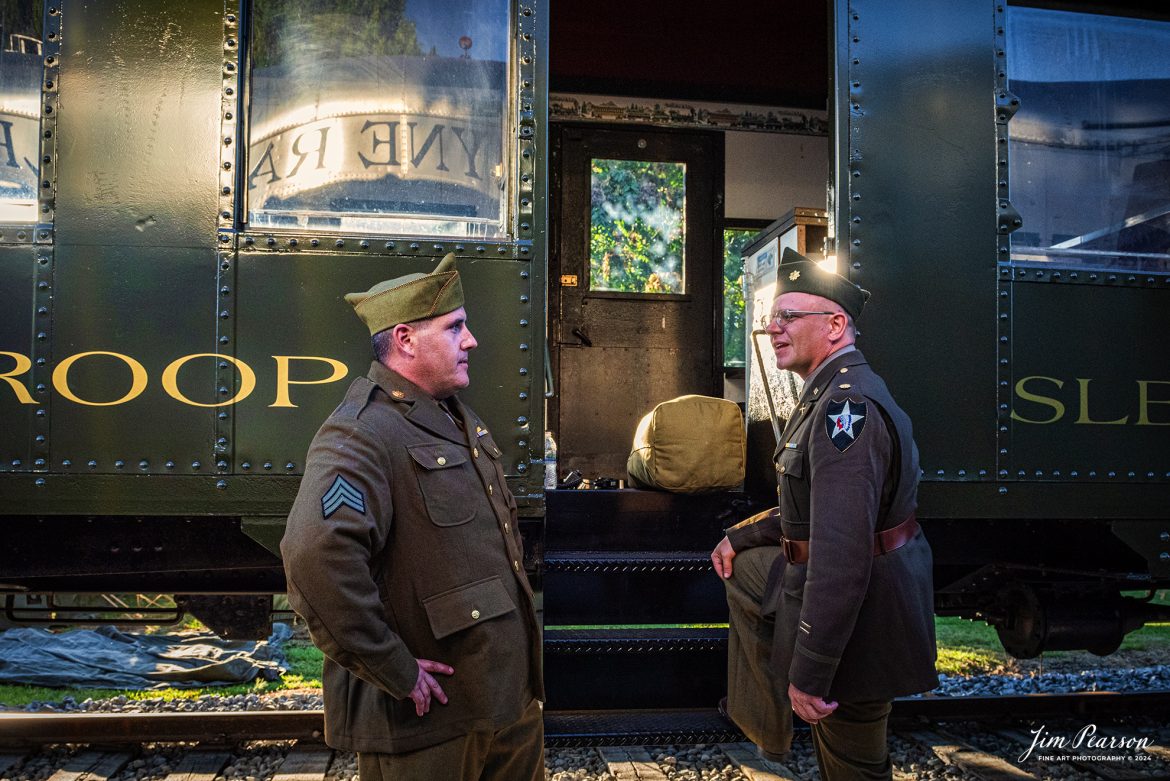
489	490
440	460
845	370
475	614
516	565
781	470
507	527
475	452
844	386
398	394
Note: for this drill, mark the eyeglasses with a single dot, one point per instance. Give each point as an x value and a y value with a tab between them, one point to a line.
785	317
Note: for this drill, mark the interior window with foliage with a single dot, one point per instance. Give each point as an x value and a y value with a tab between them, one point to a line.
637	226
734	335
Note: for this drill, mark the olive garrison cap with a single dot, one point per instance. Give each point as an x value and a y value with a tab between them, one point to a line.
411	297
798	274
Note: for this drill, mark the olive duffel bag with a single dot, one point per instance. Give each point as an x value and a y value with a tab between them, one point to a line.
689	445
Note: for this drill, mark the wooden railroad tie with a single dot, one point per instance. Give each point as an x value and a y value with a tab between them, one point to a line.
631	763
92	766
304	763
753	766
199	765
969	759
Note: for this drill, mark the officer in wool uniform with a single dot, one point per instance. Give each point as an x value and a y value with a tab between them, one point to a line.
830	594
403	555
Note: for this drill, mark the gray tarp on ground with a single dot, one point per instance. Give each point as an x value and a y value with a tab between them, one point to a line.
108	658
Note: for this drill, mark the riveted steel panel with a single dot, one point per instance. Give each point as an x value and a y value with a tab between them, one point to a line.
138	129
1090	403
915	213
292	305
17	386
150	308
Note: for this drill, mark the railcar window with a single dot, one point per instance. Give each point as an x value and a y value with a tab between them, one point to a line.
385	116
734	338
1090	144
20	109
637	226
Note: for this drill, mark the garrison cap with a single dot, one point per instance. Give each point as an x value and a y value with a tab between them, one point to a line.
798	274
411	297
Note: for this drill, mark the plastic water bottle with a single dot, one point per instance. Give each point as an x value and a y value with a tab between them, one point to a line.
550	461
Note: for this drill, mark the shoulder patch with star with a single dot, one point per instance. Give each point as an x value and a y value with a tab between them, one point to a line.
845	422
342	492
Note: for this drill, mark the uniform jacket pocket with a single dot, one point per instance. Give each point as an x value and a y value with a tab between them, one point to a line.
790	463
444	482
468	605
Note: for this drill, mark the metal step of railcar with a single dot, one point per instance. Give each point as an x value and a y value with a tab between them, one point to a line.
645	727
620	668
632	587
633	519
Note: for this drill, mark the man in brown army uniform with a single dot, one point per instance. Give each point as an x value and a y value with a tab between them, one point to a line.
403	555
831	596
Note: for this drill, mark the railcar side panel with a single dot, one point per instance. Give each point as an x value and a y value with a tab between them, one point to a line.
293	328
138	125
17	391
914	177
122	402
1091	383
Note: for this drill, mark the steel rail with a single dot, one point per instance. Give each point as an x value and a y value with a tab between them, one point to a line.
562	728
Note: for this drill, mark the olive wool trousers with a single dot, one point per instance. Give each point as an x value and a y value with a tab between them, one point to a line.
850	744
757	700
515	753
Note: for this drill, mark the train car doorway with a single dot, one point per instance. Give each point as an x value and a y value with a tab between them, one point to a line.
633	294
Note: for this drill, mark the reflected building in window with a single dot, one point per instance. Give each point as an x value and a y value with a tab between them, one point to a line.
20	111
1090	144
380	116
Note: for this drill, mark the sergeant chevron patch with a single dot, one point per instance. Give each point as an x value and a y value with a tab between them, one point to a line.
342	492
845	422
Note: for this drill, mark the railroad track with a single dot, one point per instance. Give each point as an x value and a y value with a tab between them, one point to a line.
627	745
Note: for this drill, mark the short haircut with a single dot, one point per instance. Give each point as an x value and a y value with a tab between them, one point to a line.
382	341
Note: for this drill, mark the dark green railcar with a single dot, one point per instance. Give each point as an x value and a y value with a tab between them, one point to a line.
188	190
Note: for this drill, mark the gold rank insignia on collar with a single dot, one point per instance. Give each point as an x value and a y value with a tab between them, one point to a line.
795	275
398	394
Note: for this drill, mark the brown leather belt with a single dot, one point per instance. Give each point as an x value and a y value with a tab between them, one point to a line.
796	551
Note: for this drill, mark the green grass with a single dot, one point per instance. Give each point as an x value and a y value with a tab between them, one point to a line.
972	647
964	648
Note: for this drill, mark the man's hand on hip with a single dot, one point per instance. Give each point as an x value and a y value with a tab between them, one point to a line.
427	687
810	708
721	558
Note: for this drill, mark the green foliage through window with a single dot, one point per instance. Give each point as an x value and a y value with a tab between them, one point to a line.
637	226
734	336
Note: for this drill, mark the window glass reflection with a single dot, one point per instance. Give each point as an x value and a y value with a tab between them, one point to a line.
20	109
380	116
637	226
1090	145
